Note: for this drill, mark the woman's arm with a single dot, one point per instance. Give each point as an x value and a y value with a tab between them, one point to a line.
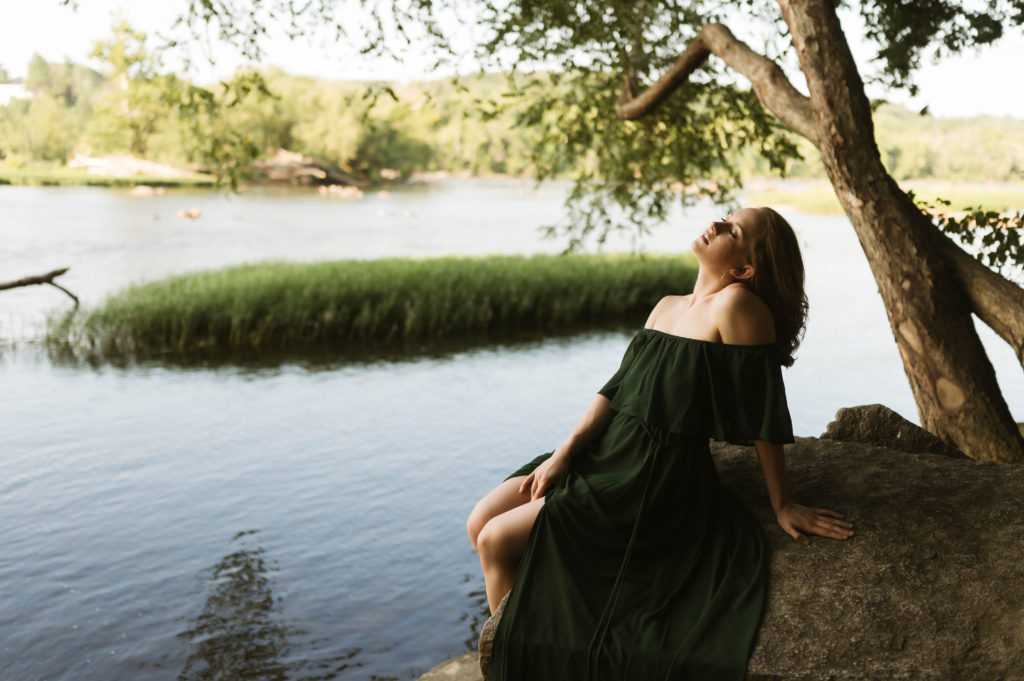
551	473
593	423
793	517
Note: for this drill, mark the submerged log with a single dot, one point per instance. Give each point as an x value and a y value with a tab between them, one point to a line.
930	587
47	278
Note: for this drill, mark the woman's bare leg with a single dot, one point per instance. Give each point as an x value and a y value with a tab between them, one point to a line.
500	544
502	498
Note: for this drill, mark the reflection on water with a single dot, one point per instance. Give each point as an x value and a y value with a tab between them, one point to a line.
321	358
240	634
477	613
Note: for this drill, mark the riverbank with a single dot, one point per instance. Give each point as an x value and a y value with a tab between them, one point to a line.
360	303
63	176
813	196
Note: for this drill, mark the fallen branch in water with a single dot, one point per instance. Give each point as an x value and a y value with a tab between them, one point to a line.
47	278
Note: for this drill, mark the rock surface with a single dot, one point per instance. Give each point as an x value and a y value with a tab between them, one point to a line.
876	424
462	668
930	587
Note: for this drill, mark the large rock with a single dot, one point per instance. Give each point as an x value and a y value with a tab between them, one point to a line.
462	668
930	587
878	425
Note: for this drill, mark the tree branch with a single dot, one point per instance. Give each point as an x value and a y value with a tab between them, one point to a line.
996	300
769	82
47	278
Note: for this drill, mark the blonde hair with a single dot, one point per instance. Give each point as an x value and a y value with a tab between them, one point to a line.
778	280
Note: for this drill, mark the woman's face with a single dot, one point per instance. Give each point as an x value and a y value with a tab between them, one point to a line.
726	244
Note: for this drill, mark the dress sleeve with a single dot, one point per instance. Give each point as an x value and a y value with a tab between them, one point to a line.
612	386
748	398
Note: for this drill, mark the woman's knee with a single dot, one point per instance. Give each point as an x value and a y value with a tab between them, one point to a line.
503	537
503	498
475	523
492	542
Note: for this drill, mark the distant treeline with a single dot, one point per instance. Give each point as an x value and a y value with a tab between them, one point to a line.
129	105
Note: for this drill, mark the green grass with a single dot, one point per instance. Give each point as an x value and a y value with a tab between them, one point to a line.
71	177
822	200
356	303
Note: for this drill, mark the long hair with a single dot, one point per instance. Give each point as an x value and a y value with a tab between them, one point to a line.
778	280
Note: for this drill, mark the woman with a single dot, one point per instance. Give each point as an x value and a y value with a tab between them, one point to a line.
619	555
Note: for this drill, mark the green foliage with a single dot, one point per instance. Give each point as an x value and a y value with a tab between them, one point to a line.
356	303
66	81
994	237
628	173
125	54
135	109
41	128
213	134
631	172
906	31
979	149
37	79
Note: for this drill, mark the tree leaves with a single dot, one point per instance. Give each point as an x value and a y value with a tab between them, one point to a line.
904	31
629	174
993	237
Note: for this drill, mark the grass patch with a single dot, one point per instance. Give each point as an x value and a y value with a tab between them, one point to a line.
822	200
359	303
40	177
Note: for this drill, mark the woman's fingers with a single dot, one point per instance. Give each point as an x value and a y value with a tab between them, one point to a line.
832	514
538	489
833	528
834	523
527	484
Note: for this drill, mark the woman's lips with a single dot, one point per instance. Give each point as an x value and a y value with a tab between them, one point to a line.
705	238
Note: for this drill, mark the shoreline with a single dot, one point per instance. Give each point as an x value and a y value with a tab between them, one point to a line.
69	177
804	195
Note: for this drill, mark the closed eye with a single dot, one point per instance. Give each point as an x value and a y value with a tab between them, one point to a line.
732	232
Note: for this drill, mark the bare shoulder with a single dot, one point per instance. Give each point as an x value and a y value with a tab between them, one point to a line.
664	305
742	317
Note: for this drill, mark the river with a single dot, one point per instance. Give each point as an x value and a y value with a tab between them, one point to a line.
305	519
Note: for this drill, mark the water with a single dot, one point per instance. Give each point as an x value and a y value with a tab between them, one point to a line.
163	522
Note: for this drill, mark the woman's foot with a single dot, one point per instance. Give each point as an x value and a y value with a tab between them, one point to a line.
486	645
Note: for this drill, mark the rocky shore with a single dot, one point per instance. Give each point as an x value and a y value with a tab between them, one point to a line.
931	586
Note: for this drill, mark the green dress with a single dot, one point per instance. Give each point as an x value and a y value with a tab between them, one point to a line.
641	565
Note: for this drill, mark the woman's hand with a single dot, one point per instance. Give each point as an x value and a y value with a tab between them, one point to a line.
548	475
820	521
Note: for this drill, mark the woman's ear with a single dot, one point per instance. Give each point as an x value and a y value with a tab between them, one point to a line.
742	272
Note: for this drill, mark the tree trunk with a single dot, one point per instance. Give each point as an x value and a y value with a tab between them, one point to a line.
995	299
952	378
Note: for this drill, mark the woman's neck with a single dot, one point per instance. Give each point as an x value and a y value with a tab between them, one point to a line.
708	284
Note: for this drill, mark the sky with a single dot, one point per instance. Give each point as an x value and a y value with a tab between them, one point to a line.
970	84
